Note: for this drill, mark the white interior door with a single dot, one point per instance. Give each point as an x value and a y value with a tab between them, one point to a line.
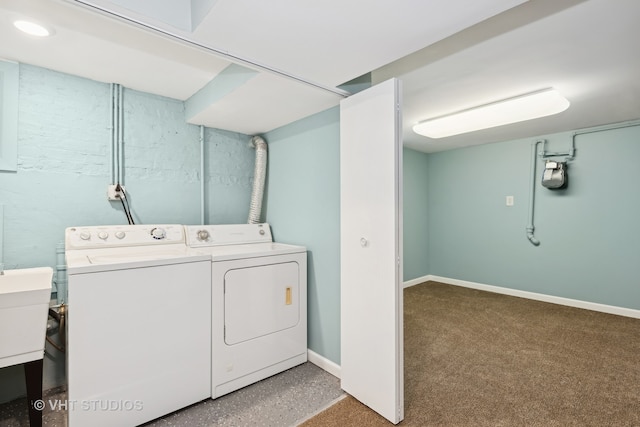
371	249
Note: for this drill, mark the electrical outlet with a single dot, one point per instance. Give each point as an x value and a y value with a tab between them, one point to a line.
112	193
509	200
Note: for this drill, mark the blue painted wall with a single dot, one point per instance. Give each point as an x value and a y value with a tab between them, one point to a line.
303	207
589	232
64	165
415	215
64	168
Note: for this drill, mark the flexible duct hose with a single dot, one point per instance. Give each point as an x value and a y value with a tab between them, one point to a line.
259	175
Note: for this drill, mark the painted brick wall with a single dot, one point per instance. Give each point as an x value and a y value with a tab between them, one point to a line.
64	168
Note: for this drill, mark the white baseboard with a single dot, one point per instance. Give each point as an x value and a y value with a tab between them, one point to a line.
324	363
417	281
610	309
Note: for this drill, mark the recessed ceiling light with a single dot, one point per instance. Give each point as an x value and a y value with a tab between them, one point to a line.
518	109
33	29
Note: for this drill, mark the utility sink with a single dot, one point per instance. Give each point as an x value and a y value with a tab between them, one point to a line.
24	309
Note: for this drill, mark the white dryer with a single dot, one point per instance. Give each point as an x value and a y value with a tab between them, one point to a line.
139	324
259	303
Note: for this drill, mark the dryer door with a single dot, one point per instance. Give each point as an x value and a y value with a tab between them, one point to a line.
260	300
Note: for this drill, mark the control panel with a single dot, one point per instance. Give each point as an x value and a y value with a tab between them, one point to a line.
227	234
122	235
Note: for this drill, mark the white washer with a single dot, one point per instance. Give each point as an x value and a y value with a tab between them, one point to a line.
139	324
259	303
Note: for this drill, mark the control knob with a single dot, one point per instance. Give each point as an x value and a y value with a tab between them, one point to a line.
85	235
120	234
158	233
203	235
103	235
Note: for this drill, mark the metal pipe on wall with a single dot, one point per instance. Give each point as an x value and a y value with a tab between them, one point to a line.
534	155
113	134
570	156
532	195
604	128
61	274
121	135
202	198
116	132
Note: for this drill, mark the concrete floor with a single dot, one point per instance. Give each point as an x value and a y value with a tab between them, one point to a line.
283	400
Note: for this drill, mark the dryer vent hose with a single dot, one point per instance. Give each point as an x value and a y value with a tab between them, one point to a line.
259	174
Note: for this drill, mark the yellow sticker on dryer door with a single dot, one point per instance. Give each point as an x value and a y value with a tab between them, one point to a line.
287	298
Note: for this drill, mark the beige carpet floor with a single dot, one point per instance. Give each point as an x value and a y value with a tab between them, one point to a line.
475	358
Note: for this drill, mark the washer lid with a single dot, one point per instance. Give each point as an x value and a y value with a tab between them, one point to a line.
105	259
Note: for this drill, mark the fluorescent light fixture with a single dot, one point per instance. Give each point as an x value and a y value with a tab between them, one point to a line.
541	103
33	29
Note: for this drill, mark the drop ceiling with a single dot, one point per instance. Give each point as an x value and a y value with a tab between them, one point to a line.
251	66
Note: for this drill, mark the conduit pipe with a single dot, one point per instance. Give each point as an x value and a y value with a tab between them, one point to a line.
120	135
259	174
202	198
61	274
604	128
117	134
113	133
532	195
534	155
570	156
